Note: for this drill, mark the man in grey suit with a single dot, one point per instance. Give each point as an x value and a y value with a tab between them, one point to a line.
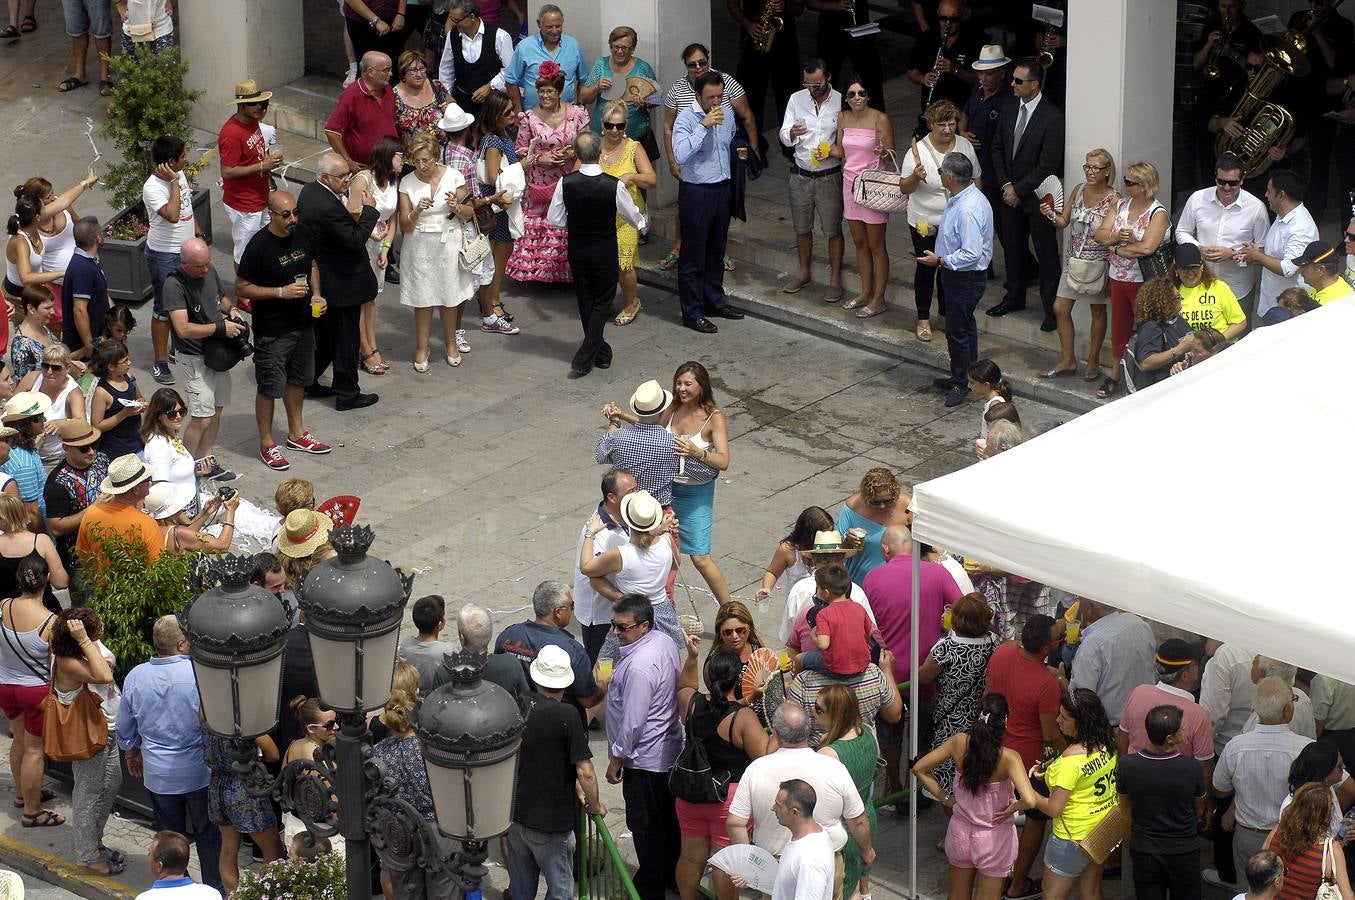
1027	148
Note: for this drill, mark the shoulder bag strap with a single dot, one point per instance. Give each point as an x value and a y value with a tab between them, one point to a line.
691	706
11	640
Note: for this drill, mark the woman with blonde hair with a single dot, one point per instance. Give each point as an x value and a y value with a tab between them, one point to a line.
625	160
402	754
1137	229
433	204
851	742
55	377
878	504
1085	263
17	543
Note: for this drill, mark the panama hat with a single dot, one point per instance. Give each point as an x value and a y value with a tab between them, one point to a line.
650	399
125	473
551	668
990	57
78	433
828	542
248	92
641	512
303	531
26	405
455	119
166	499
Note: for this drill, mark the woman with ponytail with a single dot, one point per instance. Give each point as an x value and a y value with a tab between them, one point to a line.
981	838
23	256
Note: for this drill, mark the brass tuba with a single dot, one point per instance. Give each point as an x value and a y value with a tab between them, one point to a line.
1266	124
771	23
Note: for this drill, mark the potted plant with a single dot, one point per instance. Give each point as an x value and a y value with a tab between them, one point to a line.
322	879
149	99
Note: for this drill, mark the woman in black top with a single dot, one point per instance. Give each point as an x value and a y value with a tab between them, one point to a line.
733	737
117	403
18	543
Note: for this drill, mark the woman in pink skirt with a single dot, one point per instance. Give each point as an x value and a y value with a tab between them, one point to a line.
981	837
863	136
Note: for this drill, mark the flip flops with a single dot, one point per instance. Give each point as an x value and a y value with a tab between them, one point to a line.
71	84
29	24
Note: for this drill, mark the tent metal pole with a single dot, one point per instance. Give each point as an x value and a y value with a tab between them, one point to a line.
914	691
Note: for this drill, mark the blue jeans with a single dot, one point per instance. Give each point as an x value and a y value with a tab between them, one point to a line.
962	290
532	854
160	264
173	812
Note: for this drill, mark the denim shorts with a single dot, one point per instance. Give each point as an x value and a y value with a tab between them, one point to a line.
160	264
1063	857
88	17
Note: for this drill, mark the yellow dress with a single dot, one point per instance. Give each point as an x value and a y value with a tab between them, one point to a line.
627	236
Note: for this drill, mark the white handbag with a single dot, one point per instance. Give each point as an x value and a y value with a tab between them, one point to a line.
474	246
878	188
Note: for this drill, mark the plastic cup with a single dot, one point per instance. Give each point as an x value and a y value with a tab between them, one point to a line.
316	309
783	658
605	666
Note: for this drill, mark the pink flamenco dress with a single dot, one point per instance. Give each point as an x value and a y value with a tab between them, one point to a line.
541	254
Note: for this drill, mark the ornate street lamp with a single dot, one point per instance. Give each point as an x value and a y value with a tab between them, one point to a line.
470	729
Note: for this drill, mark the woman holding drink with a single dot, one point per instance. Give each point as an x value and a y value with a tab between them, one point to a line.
863	136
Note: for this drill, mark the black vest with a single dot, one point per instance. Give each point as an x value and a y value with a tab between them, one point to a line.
590	202
469	76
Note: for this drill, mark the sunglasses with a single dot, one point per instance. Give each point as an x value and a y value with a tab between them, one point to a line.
622	628
886	502
1016	80
1350	236
173	413
1228	182
53	367
285	214
741	631
614	126
328	726
698	64
857	94
262	104
1129	182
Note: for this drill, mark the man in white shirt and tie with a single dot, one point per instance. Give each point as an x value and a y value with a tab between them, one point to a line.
1221	220
1289	235
467	70
815	181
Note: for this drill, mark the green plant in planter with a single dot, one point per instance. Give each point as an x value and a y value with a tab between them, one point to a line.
322	879
149	99
129	593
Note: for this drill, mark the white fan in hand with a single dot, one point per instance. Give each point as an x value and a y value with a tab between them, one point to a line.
1051	191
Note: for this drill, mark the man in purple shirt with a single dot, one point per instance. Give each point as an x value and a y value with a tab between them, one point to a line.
889	589
643	740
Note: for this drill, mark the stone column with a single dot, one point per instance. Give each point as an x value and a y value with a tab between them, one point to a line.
1121	65
228	41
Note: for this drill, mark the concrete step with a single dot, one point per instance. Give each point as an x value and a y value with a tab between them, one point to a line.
302	107
755	289
302	157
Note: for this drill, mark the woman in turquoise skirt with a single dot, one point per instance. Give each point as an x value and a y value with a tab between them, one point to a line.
853	744
701	441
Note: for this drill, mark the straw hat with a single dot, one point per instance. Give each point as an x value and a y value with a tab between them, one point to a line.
248	91
641	512
990	57
455	119
828	542
551	668
303	531
26	405
650	399
167	499
125	473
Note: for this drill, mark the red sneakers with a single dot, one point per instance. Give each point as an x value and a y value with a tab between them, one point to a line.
307	444
273	458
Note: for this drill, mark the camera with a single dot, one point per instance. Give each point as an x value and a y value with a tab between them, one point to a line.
225	493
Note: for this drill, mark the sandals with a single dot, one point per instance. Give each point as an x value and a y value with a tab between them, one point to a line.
924	330
1109	388
1059	373
9	33
47	797
1092	373
113	855
374	368
43	818
855	302
29	24
867	312
729	264
105	88
110	868
669	262
71	84
626	316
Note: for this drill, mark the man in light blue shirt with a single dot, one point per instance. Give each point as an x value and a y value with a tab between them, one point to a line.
160	734
702	134
964	247
549	42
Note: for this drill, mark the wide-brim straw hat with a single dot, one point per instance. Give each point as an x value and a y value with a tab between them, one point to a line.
167	499
248	91
641	512
26	405
303	531
125	473
650	399
826	542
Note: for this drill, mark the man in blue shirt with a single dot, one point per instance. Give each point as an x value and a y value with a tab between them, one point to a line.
168	860
84	291
964	247
553	605
160	734
549	42
701	137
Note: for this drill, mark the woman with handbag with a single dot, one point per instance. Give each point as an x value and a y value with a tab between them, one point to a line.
851	742
454	129
1082	792
25	631
732	736
864	135
625	159
83	665
433	204
1134	235
1086	262
1161	337
545	145
927	200
1314	868
376	186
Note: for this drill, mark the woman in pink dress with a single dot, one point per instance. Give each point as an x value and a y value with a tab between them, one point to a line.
863	136
545	146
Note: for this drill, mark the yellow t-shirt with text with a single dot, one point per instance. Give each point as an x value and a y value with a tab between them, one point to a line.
1090	782
1210	306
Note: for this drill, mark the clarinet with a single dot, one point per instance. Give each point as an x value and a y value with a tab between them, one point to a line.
922	126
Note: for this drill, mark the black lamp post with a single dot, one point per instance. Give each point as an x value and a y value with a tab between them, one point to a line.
353	605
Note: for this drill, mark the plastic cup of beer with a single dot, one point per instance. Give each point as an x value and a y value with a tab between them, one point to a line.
605	665
783	659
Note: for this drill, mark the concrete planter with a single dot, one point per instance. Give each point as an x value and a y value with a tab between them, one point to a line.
124	262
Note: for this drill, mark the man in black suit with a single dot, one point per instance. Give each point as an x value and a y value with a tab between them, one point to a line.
1027	148
588	202
339	246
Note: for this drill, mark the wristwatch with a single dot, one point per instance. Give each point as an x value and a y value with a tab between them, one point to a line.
373	20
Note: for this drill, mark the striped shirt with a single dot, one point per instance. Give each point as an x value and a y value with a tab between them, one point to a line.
646	451
1255	766
680	94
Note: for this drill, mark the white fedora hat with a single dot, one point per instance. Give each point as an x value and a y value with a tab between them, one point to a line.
551	668
990	57
454	118
641	512
167	498
650	399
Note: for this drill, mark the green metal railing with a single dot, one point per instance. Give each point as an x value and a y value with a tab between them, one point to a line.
603	874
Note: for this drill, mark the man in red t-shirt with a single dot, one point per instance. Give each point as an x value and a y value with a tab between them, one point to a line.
245	164
1018	672
366	112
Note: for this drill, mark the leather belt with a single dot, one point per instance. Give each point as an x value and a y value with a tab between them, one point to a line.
805	173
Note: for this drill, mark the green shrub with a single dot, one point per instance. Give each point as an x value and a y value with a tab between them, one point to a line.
149	99
322	879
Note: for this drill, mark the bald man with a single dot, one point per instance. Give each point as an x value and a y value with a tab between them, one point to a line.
199	309
365	112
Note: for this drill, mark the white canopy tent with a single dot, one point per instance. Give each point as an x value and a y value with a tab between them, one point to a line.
1204	502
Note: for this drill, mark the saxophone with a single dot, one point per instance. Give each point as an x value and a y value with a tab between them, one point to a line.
1266	124
770	23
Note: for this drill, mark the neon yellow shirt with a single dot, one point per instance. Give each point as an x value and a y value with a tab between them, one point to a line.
1334	291
1213	306
1090	781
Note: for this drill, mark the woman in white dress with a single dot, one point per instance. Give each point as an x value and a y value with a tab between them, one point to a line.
376	186
434	204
